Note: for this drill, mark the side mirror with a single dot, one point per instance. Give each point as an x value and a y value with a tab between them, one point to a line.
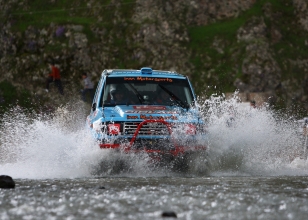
94	106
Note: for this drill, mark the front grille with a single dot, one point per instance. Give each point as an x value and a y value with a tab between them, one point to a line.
154	144
155	128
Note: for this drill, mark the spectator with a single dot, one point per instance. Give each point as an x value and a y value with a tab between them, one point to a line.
54	76
253	104
88	87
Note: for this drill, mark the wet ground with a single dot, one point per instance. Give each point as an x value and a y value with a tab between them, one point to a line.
216	197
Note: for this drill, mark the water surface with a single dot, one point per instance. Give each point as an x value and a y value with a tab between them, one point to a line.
146	198
257	170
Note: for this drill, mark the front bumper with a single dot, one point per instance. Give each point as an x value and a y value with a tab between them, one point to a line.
161	144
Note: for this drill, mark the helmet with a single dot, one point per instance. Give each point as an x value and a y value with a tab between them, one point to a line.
116	90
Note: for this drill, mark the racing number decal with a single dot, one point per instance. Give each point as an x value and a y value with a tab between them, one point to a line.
146	117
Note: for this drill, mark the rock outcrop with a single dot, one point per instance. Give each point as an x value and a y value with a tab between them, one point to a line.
157	34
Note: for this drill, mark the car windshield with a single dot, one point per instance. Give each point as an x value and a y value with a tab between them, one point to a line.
146	91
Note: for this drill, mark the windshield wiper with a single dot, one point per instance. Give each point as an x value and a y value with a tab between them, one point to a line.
141	100
178	101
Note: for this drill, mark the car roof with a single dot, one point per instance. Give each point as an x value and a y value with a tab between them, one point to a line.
144	72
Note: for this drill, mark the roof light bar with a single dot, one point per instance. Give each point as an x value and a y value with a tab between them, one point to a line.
146	70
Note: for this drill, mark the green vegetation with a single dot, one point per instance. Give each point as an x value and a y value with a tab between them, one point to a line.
202	39
223	64
10	96
42	13
217	56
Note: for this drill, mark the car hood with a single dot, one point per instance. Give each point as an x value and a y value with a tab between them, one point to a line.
148	112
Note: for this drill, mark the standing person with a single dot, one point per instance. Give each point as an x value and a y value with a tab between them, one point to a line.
54	76
88	87
253	104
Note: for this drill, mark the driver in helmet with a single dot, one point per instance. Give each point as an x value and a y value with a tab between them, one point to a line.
118	96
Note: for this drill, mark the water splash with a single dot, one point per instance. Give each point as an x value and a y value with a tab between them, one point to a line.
45	146
242	141
252	141
39	146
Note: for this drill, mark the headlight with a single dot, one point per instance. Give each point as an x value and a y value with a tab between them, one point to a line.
97	126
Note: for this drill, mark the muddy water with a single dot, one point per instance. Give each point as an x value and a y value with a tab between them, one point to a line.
256	170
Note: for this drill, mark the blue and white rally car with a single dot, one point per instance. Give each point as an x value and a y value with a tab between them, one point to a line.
148	111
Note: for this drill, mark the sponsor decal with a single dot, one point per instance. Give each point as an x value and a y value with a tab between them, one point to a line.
154	79
147	117
151	112
132	117
149	107
114	128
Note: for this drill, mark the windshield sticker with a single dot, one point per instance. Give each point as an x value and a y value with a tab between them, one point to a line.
148	79
147	107
146	117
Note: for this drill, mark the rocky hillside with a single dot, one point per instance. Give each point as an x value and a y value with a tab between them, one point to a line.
224	45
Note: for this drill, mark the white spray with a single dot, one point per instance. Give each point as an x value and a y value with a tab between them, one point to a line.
242	141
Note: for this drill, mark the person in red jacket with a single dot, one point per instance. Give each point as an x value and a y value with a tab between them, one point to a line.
54	76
